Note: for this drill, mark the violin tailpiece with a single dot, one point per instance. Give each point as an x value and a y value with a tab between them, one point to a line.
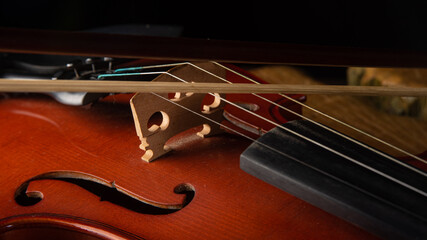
157	120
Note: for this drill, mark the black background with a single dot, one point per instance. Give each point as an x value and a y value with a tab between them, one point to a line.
395	25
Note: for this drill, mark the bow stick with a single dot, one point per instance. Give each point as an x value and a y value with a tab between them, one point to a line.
47	85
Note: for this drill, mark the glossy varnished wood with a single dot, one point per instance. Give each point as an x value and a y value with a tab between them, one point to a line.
56	226
40	135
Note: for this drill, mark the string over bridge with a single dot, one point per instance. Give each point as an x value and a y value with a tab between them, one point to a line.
157	120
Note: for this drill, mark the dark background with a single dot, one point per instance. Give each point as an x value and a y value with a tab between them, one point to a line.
395	24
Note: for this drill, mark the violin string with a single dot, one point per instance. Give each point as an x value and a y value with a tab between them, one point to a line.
304	137
308	119
327	148
321	125
331	118
334	119
308	139
280	152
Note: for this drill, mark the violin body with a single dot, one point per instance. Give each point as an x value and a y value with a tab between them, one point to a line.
40	135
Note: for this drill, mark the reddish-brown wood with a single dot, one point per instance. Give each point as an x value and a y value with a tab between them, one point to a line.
40	135
181	113
55	226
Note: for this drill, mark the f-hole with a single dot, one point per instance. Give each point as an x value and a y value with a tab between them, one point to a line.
107	191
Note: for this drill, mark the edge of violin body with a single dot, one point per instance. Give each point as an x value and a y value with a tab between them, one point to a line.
48	225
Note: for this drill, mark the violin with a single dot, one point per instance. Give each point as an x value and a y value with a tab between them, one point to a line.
198	190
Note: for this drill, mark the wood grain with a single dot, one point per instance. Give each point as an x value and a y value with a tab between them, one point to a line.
40	135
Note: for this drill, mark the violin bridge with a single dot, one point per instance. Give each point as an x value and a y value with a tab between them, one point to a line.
159	117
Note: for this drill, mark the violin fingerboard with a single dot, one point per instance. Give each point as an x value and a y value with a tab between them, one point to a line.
361	186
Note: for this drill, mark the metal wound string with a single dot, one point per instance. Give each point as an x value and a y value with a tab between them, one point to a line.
336	120
306	118
297	134
281	153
